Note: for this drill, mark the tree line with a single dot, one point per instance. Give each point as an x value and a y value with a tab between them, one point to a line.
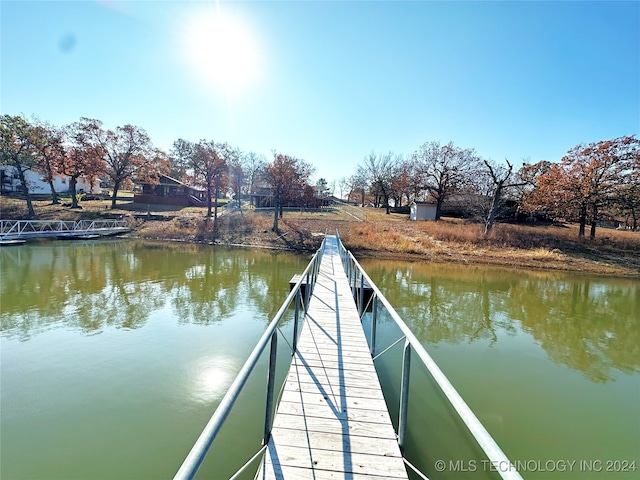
126	155
81	149
593	182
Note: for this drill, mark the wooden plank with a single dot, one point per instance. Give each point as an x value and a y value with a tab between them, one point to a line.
335	391
323	411
332	424
335	441
336	364
356	378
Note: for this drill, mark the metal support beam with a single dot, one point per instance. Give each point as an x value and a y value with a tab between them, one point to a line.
271	378
404	395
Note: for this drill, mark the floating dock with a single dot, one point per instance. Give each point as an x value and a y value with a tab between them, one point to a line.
332	420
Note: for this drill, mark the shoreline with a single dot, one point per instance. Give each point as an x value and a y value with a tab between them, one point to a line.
567	264
553	247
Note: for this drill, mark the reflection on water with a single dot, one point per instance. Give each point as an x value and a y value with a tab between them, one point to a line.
211	377
585	323
548	361
91	286
116	353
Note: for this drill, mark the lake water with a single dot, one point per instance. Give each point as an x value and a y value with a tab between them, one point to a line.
114	354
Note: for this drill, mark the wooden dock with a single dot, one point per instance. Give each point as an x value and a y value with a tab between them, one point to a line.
332	421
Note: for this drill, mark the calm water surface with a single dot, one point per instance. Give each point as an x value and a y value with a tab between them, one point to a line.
114	355
549	362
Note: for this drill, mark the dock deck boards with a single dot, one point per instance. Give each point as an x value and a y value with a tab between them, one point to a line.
332	421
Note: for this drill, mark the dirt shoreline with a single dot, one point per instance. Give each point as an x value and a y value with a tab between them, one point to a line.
304	237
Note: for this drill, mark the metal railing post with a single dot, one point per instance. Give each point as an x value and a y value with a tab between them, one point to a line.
271	378
355	282
361	297
295	324
374	322
404	395
307	293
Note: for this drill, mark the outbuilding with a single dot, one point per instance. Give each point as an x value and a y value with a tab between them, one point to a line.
422	211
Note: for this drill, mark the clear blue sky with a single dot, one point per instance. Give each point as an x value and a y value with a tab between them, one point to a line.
331	81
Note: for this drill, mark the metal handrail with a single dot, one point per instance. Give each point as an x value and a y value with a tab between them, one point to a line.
494	453
196	456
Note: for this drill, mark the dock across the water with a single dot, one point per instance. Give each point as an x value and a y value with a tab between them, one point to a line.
12	231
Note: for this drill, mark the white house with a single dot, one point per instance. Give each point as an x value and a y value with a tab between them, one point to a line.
10	182
422	211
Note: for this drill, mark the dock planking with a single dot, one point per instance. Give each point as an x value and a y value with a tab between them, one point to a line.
332	421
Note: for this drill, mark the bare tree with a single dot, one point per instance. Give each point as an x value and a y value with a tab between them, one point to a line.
343	184
253	166
358	183
237	176
498	177
443	169
628	193
180	158
380	170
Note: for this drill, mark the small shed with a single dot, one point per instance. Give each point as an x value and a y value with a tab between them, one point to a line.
422	211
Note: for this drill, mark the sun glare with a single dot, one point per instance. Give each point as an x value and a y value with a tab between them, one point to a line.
222	51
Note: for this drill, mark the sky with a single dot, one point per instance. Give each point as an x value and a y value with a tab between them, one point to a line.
331	81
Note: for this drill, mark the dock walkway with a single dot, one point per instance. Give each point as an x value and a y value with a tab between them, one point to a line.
332	421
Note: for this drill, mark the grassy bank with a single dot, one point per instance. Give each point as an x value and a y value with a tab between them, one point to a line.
393	236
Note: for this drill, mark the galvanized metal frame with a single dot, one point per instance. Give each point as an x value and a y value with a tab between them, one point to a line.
19	229
196	456
484	439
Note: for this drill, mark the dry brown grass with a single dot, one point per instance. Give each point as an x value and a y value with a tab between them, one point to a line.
539	246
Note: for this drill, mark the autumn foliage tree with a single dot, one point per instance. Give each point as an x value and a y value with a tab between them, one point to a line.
587	180
16	150
127	152
48	145
80	157
209	167
287	176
